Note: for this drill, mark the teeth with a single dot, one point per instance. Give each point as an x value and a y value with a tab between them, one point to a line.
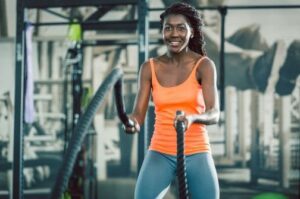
174	43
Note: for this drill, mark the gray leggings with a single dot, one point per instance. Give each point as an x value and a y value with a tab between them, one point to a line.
158	171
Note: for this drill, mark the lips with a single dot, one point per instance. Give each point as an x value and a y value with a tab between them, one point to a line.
174	43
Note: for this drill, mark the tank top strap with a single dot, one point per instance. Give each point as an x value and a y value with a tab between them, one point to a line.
193	75
198	63
151	64
153	75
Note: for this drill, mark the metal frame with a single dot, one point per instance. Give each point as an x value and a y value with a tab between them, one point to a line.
143	25
3	19
74	3
17	191
22	5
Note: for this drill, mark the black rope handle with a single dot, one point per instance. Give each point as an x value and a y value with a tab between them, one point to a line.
181	166
120	104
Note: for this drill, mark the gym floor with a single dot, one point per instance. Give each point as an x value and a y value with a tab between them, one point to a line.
234	184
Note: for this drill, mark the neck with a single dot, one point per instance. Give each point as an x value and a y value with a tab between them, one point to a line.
178	57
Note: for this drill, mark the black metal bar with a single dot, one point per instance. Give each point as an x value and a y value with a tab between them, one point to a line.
76	82
254	163
154	24
239	7
115	42
54	23
57	14
223	12
264	7
101	25
268	174
198	8
17	192
3	19
110	25
99	13
75	186
143	28
93	25
73	3
108	43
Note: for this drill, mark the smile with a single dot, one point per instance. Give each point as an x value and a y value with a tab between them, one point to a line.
174	43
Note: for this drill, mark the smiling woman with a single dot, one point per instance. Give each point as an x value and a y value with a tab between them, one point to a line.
192	18
176	32
183	78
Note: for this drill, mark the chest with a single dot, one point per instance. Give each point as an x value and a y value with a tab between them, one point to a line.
169	76
187	94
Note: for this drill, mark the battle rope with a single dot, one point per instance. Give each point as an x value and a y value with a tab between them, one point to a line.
181	168
120	104
80	131
77	137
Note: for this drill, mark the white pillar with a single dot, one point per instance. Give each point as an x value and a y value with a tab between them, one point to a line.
230	121
284	132
244	124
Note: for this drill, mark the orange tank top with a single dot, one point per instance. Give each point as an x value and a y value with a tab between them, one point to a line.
186	96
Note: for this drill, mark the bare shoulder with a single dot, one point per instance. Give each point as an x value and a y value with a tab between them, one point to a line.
206	69
206	64
145	70
146	65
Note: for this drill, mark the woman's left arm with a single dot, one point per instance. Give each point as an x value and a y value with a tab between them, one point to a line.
206	74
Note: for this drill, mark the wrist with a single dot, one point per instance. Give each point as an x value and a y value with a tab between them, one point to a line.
190	120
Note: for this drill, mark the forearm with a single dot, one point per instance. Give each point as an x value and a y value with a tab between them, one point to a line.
139	117
209	117
140	108
136	119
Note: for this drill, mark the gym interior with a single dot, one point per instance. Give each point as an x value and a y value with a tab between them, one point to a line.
61	131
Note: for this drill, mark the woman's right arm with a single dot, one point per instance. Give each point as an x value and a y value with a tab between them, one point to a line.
142	98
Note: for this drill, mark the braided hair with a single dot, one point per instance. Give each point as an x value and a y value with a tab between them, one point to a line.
196	43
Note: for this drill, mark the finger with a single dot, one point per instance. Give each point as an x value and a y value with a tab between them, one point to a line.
180	118
131	122
130	130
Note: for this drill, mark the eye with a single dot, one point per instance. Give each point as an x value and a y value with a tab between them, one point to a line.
167	28
181	28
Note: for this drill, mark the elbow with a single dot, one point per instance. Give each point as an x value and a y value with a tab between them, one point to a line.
213	121
216	120
215	116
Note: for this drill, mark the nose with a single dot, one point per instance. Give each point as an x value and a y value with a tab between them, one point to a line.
174	33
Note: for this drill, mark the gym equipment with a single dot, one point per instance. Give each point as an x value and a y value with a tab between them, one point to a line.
80	131
181	168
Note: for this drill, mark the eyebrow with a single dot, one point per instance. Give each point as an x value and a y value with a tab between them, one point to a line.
180	24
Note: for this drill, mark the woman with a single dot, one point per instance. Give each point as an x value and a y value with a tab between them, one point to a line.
182	79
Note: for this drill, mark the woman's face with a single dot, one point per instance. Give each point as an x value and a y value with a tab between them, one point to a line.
176	33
